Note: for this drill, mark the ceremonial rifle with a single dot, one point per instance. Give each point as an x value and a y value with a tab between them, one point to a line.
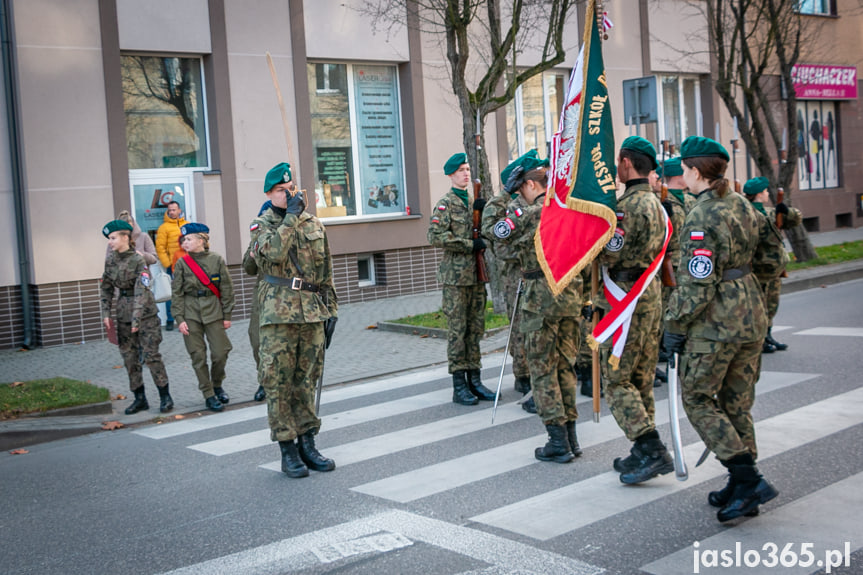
667	272
780	220
481	271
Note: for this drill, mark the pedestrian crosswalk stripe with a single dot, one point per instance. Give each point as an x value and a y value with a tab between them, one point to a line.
186	426
778	328
827	518
575	506
446	475
837	331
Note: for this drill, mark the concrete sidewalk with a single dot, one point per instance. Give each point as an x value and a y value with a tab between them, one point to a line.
357	353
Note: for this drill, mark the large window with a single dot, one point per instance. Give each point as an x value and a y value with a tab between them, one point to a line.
163	98
816	7
357	140
817	145
680	108
532	116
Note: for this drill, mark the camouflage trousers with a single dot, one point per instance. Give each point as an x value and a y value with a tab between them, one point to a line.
142	346
552	345
510	279
629	388
255	331
464	308
220	347
585	354
718	385
292	359
771	291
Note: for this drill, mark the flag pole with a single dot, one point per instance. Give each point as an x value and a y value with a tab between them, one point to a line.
594	364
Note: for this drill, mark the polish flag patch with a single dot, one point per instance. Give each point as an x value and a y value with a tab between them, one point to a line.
696	236
518	212
620	215
254	226
441	208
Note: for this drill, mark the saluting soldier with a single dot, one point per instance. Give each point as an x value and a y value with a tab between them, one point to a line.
717	322
549	323
202	301
637	241
250	266
756	191
138	325
451	229
298	313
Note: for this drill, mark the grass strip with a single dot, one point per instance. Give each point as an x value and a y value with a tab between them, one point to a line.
834	254
437	319
45	394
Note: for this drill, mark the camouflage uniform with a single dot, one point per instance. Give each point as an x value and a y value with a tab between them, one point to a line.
250	266
135	308
451	229
192	302
773	286
677	201
637	241
510	274
292	320
550	324
719	306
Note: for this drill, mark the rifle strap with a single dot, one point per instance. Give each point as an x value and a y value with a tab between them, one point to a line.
201	275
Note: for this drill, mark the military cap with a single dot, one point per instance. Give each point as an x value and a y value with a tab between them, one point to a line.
194	228
699	147
755	186
280	174
529	161
673	167
116	226
454	163
642	146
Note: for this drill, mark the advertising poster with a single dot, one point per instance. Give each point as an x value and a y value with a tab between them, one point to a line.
151	201
334	172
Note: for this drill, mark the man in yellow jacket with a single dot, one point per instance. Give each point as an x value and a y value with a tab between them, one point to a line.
168	242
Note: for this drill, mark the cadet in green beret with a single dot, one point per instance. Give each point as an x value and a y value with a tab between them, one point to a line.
298	310
138	325
451	229
757	193
549	323
250	266
637	241
202	300
716	321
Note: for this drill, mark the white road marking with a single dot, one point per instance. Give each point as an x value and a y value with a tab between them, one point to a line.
837	331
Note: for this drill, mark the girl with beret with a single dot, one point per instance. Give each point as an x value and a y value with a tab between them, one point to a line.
202	302
137	323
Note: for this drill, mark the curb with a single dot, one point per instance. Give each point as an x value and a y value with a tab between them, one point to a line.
822	276
101	408
428	331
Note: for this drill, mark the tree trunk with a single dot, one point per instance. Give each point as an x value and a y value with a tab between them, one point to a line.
800	243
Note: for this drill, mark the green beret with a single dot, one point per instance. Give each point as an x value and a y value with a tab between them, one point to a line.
673	167
642	146
529	161
454	163
755	186
116	226
194	228
699	147
280	174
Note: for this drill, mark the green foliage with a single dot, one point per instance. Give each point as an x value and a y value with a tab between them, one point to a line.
437	319
45	394
831	255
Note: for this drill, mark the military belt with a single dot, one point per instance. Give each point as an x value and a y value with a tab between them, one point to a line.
202	293
294	283
532	274
626	274
127	292
736	273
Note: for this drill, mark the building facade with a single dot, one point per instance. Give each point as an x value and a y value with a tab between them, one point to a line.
129	104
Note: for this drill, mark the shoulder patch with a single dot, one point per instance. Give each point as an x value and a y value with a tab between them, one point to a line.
518	212
698	236
615	244
620	215
254	226
145	279
502	229
441	208
703	252
435	221
700	267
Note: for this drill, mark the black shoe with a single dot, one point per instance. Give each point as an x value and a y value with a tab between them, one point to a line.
557	448
460	391
655	460
213	404
747	497
522	385
260	395
572	438
166	404
630	462
140	402
660	376
529	405
311	456
169	325
767	347
476	387
769	339
723	496
220	393
292	465
584	374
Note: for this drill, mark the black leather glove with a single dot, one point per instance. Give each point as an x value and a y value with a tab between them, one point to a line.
669	208
329	328
479	204
674	342
781	208
587	312
478	244
296	203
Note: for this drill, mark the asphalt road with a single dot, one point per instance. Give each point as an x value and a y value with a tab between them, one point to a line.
426	486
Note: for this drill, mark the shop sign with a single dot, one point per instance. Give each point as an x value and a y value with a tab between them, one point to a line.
822	82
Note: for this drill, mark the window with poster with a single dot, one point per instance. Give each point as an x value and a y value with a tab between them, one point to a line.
533	114
679	108
817	145
357	140
822	7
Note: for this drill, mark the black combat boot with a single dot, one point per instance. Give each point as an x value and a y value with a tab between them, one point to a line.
655	460
460	391
260	395
476	387
522	385
221	395
769	339
584	373
311	456
166	404
750	489
529	405
767	347
659	377
292	465
557	448
572	438
213	404
140	402
630	462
